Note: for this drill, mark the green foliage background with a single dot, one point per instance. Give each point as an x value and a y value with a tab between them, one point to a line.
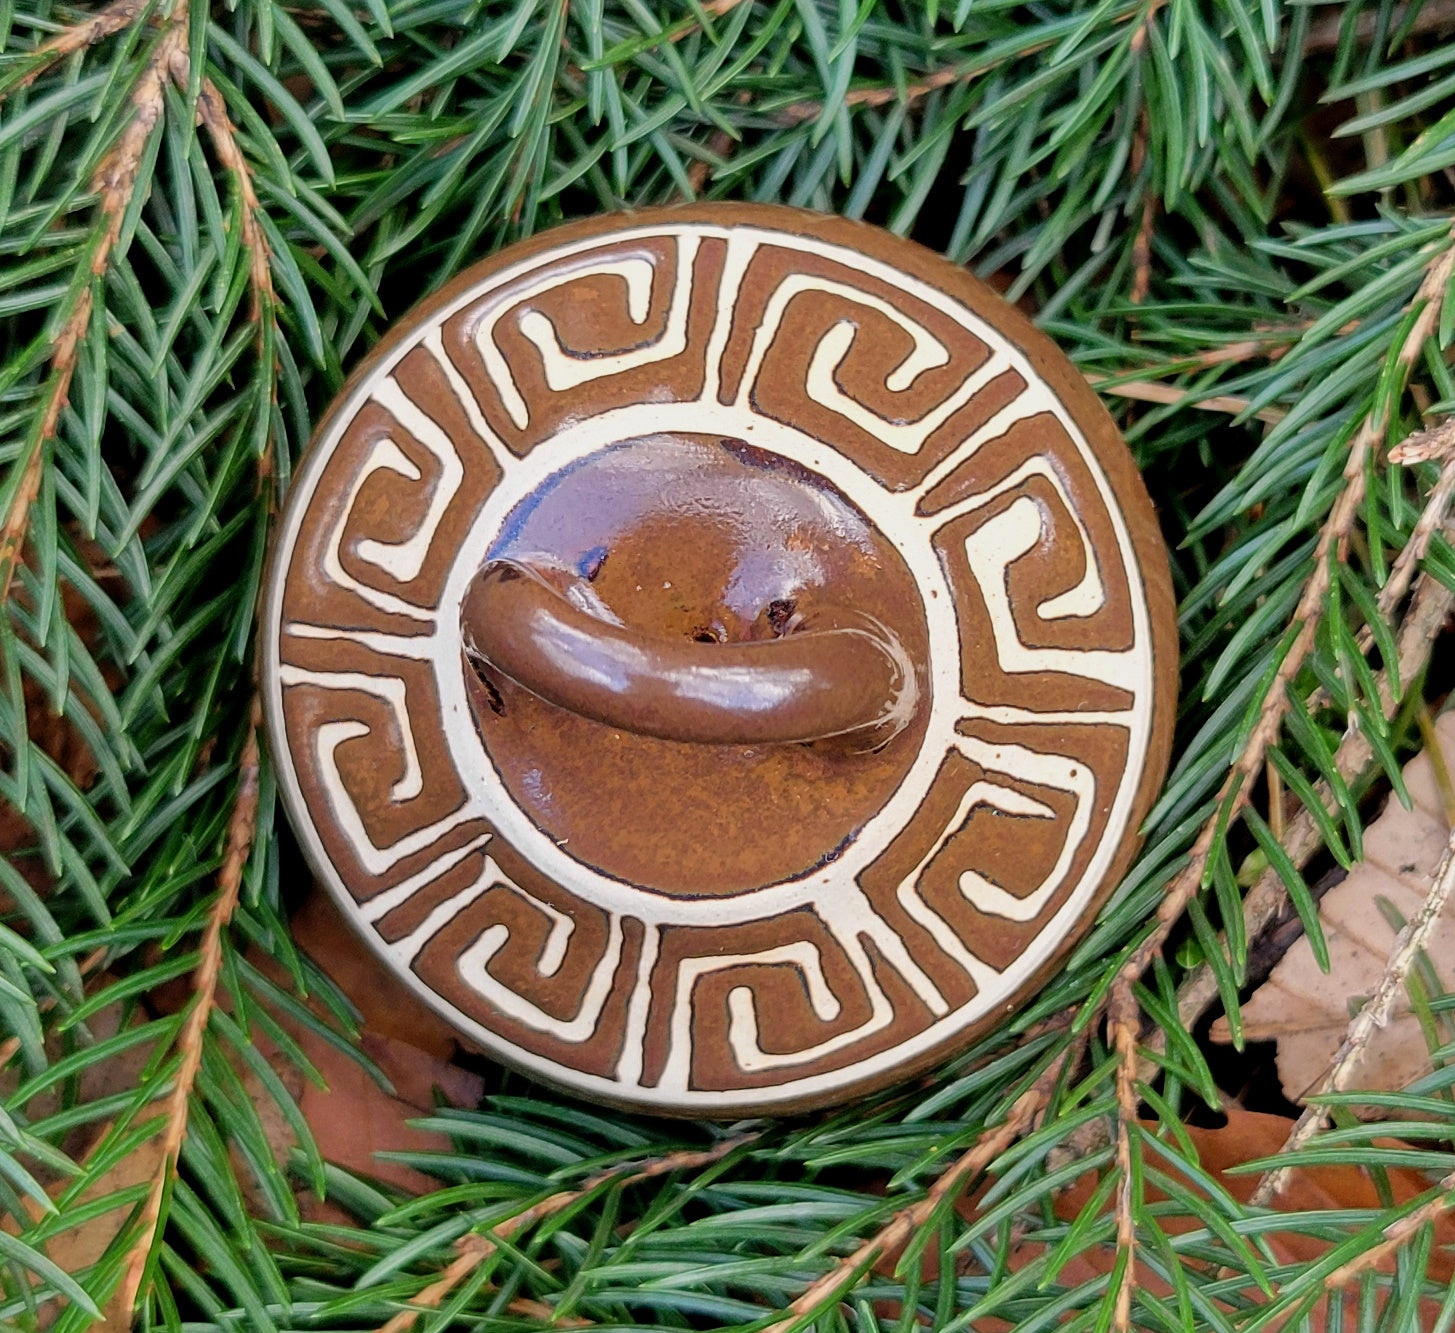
1235	202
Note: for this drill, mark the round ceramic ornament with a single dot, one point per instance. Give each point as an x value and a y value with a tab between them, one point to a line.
720	657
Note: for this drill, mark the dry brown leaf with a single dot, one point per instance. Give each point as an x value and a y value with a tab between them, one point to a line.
354	1119
1307	1011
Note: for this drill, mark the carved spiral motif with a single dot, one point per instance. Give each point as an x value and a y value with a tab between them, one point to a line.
970	445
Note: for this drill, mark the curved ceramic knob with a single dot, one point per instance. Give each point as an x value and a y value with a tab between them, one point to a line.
846	681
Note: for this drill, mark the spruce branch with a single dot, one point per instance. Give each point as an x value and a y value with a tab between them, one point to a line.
116	17
212	112
1235	796
388	146
1236	792
992	1141
1435	443
472	1249
115	182
241	827
1430	608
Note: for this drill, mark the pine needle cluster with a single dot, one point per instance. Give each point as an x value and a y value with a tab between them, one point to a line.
1235	214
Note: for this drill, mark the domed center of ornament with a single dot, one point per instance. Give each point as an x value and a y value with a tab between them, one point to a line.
733	659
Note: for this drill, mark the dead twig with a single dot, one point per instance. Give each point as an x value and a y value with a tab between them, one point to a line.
1430	608
240	829
1396	1234
1438	442
1142	244
719	145
1139	37
715	9
1122	1022
473	1249
797	112
1325	36
1372	1016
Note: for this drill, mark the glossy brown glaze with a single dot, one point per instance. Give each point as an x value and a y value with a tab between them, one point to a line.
719	430
701	550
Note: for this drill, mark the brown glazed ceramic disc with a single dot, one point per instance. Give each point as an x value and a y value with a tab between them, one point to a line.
720	657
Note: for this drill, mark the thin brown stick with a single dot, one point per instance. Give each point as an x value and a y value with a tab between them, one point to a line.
716	8
115	18
898	1231
240	829
544	1314
1396	1234
1276	816
1272	342
1372	1016
1142	250
1122	1022
473	1249
797	112
719	145
1142	244
1139	37
1433	16
1149	391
